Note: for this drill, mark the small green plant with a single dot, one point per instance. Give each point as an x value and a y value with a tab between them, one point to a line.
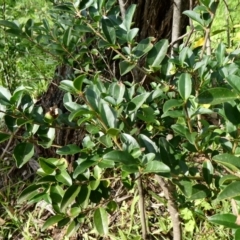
178	130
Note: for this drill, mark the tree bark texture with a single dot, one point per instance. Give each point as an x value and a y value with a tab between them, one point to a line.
154	18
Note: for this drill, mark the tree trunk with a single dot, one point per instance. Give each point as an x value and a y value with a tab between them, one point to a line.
154	18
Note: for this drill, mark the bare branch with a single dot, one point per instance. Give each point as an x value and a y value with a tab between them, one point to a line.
122	8
168	189
142	209
176	24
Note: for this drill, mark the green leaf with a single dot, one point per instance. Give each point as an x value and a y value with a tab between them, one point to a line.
63	177
200	191
156	167
4	137
82	167
29	27
5	95
128	17
185	85
137	102
100	219
92	99
84	4
237	235
157	53
172	103
230	191
234	82
56	193
128	141
220	53
208	171
51	221
81	111
232	113
8	24
113	132
69	196
67	86
83	196
117	90
227	178
46	166
72	229
143	47
185	186
194	16
120	156
227	220
28	193
67	37
108	30
126	67
216	96
70	149
78	82
108	115
230	161
23	153
132	34
148	144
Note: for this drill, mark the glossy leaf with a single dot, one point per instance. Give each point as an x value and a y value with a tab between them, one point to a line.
51	221
70	149
156	167
67	36
120	156
78	82
227	220
157	53
4	137
200	191
22	153
108	115
148	144
108	30
216	96
63	177
194	16
137	102
234	82
28	193
126	67
143	47
230	161
5	95
69	196
220	53
185	85
100	219
47	166
208	171
82	167
230	191
128	17
72	229
172	103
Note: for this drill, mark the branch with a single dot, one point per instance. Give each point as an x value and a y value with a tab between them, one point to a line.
142	209
176	24
122	9
168	189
